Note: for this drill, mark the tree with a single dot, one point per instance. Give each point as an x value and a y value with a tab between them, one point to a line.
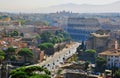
91	52
9	52
81	47
38	38
30	72
2	55
45	46
22	21
19	74
117	73
87	65
14	33
13	58
1	59
66	36
57	37
45	36
46	23
26	53
100	64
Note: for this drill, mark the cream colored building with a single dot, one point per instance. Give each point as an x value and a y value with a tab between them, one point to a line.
112	57
98	42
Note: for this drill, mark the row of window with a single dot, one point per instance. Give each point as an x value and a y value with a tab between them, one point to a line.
79	31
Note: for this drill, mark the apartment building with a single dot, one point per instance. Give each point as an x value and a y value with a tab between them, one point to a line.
112	56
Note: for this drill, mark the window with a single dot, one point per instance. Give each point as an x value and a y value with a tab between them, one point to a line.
109	59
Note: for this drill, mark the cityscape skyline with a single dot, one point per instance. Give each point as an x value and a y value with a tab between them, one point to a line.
60	39
24	5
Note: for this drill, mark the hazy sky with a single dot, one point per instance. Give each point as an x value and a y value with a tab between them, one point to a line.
32	4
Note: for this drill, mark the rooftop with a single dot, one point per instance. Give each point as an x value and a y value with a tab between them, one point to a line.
99	35
111	53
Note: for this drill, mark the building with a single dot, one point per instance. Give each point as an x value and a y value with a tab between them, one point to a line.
30	30
76	70
112	57
99	42
80	28
116	35
23	29
41	29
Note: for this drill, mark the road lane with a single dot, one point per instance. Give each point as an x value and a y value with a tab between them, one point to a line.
53	61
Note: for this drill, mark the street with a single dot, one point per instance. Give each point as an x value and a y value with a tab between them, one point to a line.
59	57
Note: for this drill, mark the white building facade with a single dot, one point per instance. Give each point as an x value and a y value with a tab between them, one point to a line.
112	58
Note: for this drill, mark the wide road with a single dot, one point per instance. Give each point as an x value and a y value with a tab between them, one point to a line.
59	57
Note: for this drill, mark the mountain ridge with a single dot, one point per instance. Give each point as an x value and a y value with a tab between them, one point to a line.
72	7
82	8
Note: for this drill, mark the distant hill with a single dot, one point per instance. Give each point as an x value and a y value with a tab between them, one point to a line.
83	8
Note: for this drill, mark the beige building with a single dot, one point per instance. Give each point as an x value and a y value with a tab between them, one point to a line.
112	57
41	29
76	71
99	42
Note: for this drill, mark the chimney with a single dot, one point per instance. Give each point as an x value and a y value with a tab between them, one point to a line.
116	45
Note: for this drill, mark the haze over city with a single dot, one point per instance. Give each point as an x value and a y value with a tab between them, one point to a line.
59	38
44	6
